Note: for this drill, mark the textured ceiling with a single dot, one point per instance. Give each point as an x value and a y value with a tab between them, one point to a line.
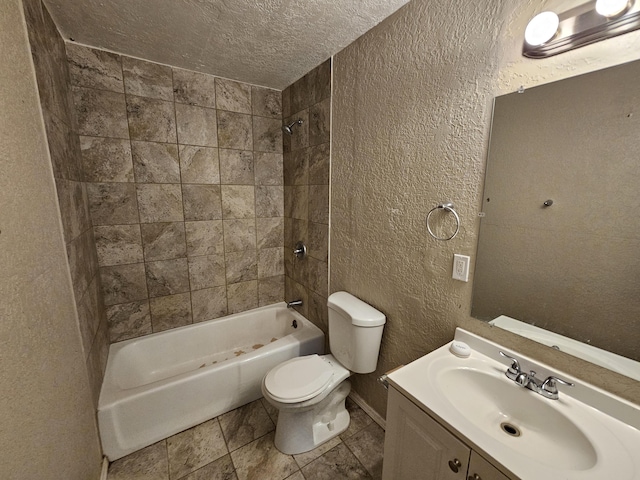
270	42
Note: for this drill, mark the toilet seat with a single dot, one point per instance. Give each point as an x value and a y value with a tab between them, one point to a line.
299	379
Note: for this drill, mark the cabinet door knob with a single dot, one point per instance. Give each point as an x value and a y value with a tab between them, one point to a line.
475	476
454	465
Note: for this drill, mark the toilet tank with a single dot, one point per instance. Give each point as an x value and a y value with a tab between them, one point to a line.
355	332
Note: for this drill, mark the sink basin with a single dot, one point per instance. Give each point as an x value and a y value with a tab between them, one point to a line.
520	418
586	434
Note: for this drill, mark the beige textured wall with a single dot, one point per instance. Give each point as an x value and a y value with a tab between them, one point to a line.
48	426
410	114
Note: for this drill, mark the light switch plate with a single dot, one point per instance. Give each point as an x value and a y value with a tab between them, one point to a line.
461	267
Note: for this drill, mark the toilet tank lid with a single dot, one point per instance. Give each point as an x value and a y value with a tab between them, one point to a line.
362	314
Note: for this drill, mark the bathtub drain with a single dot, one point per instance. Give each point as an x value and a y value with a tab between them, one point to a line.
510	429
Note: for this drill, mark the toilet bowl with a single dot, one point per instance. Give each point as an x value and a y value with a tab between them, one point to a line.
310	391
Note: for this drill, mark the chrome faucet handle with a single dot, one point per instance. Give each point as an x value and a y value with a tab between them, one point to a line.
514	369
549	385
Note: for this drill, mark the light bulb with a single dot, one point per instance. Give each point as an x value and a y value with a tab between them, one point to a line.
541	28
612	8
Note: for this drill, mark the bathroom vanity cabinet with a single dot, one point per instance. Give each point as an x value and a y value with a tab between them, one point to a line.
418	448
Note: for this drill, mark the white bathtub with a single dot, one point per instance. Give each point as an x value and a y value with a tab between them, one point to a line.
161	384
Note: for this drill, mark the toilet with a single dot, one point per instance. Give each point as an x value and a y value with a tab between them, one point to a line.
310	391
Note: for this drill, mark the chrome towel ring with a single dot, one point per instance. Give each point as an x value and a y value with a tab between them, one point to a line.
449	208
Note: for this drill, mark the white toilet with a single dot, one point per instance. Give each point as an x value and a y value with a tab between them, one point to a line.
310	391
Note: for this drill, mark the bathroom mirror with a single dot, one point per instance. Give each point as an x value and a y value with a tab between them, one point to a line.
559	244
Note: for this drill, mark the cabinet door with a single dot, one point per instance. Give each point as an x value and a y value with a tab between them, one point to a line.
416	447
480	469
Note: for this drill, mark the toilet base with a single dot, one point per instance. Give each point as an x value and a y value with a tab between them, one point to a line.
301	431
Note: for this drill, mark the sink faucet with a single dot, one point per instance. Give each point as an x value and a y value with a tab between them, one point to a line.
547	388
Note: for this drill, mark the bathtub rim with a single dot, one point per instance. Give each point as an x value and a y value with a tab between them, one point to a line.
111	393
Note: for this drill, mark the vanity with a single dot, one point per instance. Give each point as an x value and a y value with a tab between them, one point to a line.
494	416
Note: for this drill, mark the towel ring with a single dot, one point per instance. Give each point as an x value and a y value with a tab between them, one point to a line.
449	208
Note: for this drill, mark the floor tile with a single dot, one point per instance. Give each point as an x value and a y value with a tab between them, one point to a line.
296	476
150	463
260	460
337	464
305	458
359	419
271	410
245	424
221	469
195	448
368	446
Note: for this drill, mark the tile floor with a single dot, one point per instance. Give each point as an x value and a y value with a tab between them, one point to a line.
239	446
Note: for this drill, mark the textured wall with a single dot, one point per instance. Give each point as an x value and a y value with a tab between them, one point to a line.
306	191
48	424
411	114
185	190
48	53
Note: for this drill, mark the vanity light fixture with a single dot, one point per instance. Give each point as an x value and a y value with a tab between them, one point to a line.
542	28
549	34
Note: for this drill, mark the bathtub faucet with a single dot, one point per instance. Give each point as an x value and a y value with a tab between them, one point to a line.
294	303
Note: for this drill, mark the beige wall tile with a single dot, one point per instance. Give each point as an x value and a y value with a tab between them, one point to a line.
266	102
113	203
204	238
163	241
100	113
159	202
147	79
123	283
270	262
239	234
118	244
270	290
194	88
206	271
151	120
242	296
209	303
106	159
93	68
155	162
202	202
196	125
270	232
238	201
319	164
170	312
233	96
267	134
269	201
319	122
241	266
268	168
167	277
236	167
199	165
129	320
234	131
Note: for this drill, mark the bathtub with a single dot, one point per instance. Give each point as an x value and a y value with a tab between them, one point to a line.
161	384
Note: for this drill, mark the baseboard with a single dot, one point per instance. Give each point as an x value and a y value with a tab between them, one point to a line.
105	468
368	410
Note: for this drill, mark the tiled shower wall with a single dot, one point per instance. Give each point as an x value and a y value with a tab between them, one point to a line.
48	52
185	190
306	180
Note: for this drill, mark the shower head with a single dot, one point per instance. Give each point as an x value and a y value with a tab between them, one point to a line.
288	129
